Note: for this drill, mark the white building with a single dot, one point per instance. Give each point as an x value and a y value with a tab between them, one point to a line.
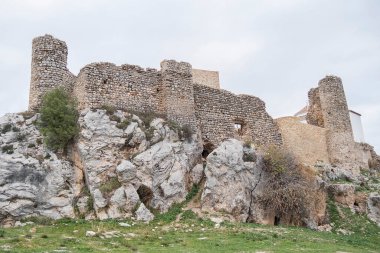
356	123
357	127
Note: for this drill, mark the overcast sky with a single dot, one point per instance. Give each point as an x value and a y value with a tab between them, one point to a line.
276	50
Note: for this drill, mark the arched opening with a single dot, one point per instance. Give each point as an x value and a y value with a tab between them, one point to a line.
207	149
145	194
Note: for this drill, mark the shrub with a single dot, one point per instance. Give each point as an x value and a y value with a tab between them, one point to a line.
115	118
15	129
123	125
21	137
6	128
8	149
110	109
290	191
27	114
58	120
249	157
186	132
110	185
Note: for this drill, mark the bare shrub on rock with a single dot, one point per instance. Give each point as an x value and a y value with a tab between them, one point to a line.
291	192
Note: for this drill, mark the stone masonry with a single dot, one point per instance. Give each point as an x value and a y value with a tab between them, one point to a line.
328	109
185	95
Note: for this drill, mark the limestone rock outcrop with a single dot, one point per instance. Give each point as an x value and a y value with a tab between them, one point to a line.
231	184
108	173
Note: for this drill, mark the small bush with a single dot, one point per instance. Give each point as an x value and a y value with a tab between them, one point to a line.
39	220
15	129
6	128
44	236
31	145
27	114
90	204
149	133
249	158
110	185
123	125
115	118
21	137
110	109
290	190
186	132
247	144
58	120
188	215
8	149
2	233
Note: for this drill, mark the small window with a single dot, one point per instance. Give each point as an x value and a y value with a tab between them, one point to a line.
237	126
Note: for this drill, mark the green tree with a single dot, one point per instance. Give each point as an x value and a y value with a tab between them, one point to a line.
59	116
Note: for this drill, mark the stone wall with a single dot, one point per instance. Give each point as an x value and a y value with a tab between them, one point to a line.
328	108
206	77
178	92
125	87
49	68
172	91
314	115
218	111
306	142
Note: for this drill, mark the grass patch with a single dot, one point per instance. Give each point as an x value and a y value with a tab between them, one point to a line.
7	149
110	185
110	109
123	125
161	237
6	128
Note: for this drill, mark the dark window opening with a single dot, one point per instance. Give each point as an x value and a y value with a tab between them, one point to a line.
356	203
207	149
276	220
105	81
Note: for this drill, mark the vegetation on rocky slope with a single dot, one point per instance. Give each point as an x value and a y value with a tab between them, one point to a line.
59	118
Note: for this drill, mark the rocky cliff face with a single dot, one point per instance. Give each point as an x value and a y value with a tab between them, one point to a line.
111	171
122	165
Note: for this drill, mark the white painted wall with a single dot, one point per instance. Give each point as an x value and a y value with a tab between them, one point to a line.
357	127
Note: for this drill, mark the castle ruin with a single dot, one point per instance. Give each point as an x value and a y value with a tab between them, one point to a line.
193	97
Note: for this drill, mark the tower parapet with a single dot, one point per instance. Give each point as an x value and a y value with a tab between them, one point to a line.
49	68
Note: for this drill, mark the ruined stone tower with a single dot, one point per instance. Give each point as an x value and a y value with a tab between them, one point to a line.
49	68
328	108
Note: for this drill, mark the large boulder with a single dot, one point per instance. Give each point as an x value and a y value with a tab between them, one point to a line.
230	182
374	207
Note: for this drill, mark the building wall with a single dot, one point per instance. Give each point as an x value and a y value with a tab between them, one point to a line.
206	77
357	127
307	142
217	111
